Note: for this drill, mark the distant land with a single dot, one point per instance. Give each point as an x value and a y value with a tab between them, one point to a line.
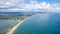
9	15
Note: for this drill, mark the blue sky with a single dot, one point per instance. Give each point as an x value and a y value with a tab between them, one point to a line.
27	5
49	1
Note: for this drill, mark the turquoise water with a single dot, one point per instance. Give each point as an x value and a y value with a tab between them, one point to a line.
6	24
40	24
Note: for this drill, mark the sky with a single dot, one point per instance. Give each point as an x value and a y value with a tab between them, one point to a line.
28	5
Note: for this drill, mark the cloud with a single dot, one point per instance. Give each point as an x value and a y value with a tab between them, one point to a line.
35	6
32	5
7	3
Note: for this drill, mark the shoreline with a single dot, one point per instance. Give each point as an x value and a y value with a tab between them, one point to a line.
12	29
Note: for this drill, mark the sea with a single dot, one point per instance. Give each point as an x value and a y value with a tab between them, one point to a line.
6	24
44	23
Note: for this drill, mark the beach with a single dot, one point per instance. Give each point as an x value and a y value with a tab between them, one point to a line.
13	28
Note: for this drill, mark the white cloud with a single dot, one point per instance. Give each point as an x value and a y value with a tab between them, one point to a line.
33	5
7	3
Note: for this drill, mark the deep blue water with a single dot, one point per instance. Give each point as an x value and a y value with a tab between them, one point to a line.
48	23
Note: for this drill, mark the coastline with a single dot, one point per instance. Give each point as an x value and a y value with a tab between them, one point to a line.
13	28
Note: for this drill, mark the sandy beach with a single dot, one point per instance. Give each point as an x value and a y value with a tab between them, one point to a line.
12	29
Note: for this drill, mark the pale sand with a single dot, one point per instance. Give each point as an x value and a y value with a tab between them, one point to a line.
10	31
14	27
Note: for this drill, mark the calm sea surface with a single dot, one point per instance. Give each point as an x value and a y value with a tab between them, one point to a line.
6	24
40	24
